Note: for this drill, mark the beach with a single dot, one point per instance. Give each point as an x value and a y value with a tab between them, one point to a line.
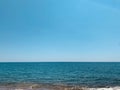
52	87
114	88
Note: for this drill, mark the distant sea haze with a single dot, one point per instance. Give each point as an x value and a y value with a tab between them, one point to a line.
90	74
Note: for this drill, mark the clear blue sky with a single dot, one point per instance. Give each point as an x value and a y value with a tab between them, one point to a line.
59	30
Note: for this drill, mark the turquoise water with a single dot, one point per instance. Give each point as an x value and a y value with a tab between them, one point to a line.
84	74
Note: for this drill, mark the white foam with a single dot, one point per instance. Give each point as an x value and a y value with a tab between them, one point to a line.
111	88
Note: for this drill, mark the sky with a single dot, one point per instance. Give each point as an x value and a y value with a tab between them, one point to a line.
59	30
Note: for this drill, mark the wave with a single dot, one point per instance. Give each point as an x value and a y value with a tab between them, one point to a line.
110	88
52	87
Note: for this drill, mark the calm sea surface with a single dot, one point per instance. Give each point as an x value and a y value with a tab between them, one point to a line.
86	74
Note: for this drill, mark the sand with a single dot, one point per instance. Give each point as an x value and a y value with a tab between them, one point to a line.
61	89
51	87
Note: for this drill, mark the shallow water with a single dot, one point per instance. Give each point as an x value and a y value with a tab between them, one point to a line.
81	88
61	73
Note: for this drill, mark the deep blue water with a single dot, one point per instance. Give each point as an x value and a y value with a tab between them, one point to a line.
87	74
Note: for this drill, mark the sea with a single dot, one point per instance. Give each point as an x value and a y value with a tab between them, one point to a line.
90	74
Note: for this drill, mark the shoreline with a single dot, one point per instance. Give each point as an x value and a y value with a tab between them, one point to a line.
26	86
